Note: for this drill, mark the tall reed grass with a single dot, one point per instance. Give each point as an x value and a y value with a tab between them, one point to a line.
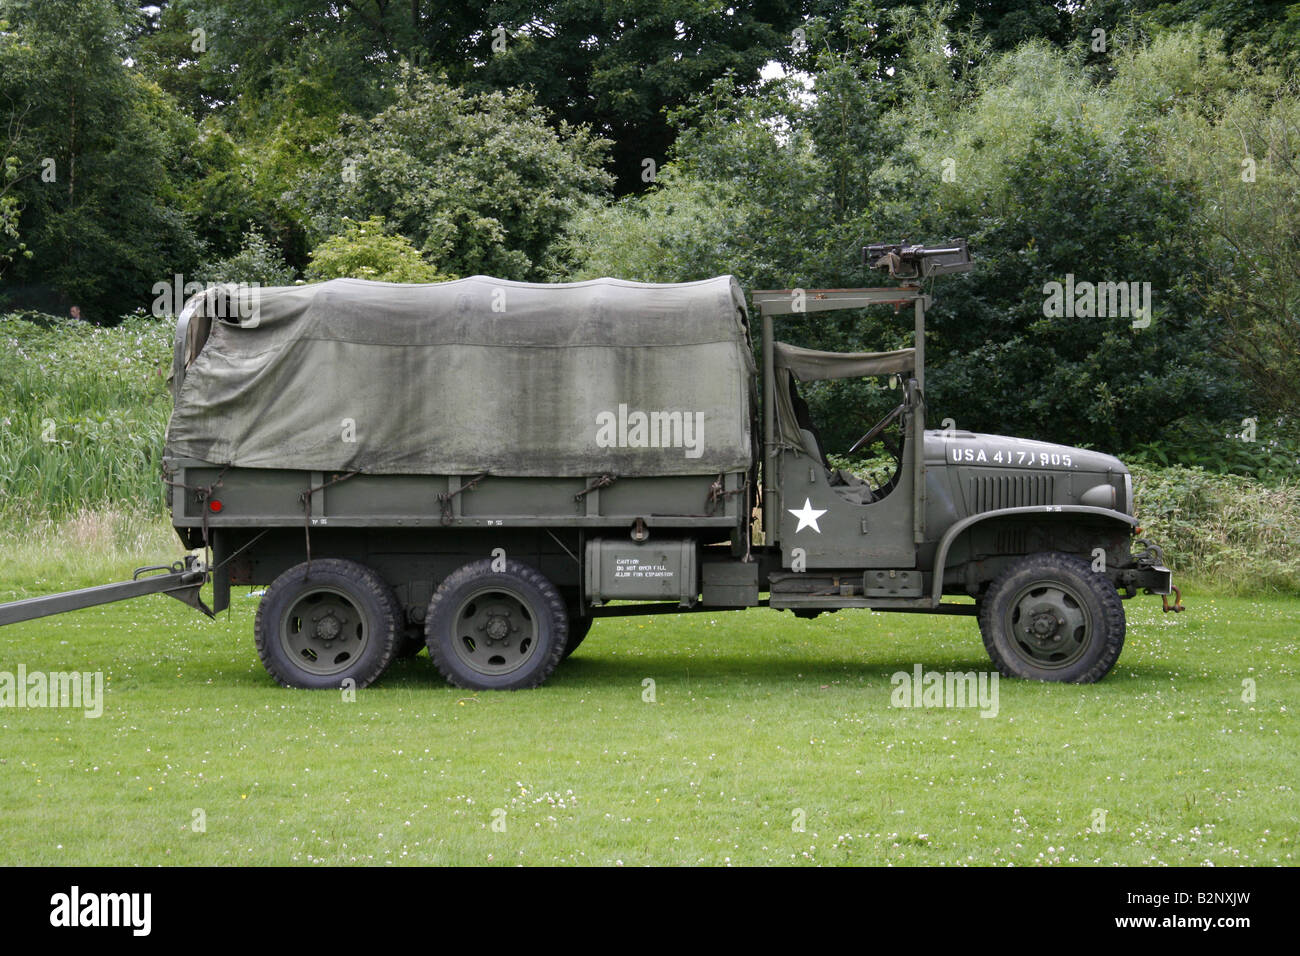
82	415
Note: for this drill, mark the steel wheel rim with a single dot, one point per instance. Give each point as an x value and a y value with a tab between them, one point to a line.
324	632
494	631
1049	624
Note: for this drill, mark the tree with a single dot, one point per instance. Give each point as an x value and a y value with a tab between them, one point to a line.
480	183
622	67
100	217
617	67
11	174
1047	174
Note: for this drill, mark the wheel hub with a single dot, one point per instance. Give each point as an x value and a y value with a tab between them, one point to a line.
327	626
324	631
1050	624
1044	625
498	628
495	631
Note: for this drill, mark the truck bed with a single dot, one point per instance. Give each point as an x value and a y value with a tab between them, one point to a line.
203	492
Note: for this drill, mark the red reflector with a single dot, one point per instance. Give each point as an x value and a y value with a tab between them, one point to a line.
215	505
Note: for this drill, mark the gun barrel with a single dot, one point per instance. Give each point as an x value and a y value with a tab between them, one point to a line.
904	261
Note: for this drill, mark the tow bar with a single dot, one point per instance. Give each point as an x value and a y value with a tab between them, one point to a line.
182	580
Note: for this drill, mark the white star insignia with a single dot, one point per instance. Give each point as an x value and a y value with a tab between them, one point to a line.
807	516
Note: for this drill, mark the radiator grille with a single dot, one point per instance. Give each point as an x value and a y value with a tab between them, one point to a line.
989	492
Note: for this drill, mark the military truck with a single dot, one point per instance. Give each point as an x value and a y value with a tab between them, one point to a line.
487	468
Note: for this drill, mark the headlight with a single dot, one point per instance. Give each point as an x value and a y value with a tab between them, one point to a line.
1128	493
1099	496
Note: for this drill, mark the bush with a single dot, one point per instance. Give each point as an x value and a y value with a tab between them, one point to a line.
364	251
256	261
1236	532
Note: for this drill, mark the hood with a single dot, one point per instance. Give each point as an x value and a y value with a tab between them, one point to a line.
978	450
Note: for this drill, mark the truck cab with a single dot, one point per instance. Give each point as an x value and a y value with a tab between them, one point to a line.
1040	535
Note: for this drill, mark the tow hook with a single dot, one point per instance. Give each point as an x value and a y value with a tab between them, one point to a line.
1152	560
1178	600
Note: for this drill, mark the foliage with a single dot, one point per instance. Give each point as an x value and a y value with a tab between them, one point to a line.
100	147
1236	134
1266	450
1047	187
622	67
82	414
1047	172
618	67
1235	530
363	250
256	261
11	244
480	183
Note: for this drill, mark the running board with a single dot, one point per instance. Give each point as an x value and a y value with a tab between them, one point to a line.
835	602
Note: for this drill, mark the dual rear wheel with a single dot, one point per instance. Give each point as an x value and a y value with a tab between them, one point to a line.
322	624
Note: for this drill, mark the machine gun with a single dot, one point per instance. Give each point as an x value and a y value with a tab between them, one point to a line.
903	261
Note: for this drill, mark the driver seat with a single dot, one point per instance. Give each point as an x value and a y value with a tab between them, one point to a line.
846	484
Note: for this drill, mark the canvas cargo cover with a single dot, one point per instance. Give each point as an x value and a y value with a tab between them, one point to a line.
476	375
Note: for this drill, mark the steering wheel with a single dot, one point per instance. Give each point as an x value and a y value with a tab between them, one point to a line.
880	426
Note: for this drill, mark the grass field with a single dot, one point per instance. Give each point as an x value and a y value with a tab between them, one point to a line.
758	721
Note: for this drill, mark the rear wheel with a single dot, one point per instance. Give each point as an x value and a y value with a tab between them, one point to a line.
496	630
325	622
1051	617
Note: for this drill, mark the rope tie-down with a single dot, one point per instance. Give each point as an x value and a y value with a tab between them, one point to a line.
202	494
305	498
444	498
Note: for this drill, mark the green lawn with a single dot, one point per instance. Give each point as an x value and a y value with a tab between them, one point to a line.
759	718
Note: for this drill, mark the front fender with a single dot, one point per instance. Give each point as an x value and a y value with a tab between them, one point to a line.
949	536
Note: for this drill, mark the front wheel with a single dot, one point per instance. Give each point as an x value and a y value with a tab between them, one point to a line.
1051	617
496	630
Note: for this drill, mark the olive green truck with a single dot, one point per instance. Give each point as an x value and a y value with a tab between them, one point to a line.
487	468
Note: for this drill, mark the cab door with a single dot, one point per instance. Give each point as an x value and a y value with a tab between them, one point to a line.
832	525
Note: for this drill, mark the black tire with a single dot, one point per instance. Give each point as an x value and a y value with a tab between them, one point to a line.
1050	617
496	630
356	632
579	628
